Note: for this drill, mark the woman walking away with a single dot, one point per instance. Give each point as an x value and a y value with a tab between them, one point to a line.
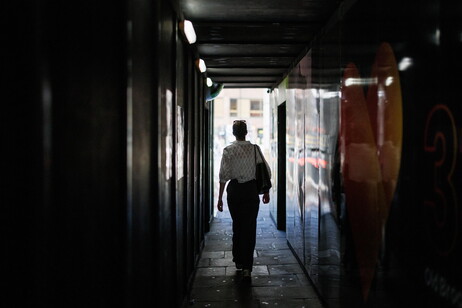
238	165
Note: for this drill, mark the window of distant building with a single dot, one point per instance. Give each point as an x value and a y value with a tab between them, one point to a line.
256	108
233	107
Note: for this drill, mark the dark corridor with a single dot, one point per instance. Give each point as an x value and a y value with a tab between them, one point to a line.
107	176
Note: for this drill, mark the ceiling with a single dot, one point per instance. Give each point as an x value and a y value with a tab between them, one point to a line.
254	43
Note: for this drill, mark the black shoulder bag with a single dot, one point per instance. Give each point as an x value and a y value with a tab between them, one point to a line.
261	174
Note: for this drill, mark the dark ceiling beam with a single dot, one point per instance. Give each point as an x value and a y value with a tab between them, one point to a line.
226	76
248	62
247	43
250	49
249	81
256	33
246	71
247	57
246	23
288	42
247	67
248	86
223	79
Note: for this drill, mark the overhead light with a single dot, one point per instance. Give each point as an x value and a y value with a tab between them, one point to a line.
187	27
404	63
209	82
201	65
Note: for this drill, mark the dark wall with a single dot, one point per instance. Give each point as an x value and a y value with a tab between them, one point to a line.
66	69
141	144
88	124
163	117
180	144
95	208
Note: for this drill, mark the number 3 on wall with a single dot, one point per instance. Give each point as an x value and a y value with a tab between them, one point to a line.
441	208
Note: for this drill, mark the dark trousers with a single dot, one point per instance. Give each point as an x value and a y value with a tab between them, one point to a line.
243	203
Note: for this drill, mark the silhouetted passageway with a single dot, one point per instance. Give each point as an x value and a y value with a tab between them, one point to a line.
277	280
107	175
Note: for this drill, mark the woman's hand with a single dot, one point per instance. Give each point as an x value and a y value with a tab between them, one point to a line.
220	205
266	197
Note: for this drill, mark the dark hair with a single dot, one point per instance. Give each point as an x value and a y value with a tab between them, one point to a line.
239	129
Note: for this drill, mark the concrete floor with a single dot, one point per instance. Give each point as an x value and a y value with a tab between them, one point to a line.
277	278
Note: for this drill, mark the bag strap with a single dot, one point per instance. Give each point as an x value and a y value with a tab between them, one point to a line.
255	152
261	155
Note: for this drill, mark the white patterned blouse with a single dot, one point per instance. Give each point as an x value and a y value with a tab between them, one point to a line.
238	162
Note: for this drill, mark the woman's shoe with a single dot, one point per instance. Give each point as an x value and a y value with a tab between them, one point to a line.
246	275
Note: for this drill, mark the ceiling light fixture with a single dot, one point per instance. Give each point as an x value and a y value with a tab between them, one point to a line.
201	65
188	30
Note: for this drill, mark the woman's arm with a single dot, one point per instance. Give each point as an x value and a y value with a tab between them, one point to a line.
220	196
266	197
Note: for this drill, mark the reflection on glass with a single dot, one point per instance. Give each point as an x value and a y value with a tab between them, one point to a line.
405	63
370	145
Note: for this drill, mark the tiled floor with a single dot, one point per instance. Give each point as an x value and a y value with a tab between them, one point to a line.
277	278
